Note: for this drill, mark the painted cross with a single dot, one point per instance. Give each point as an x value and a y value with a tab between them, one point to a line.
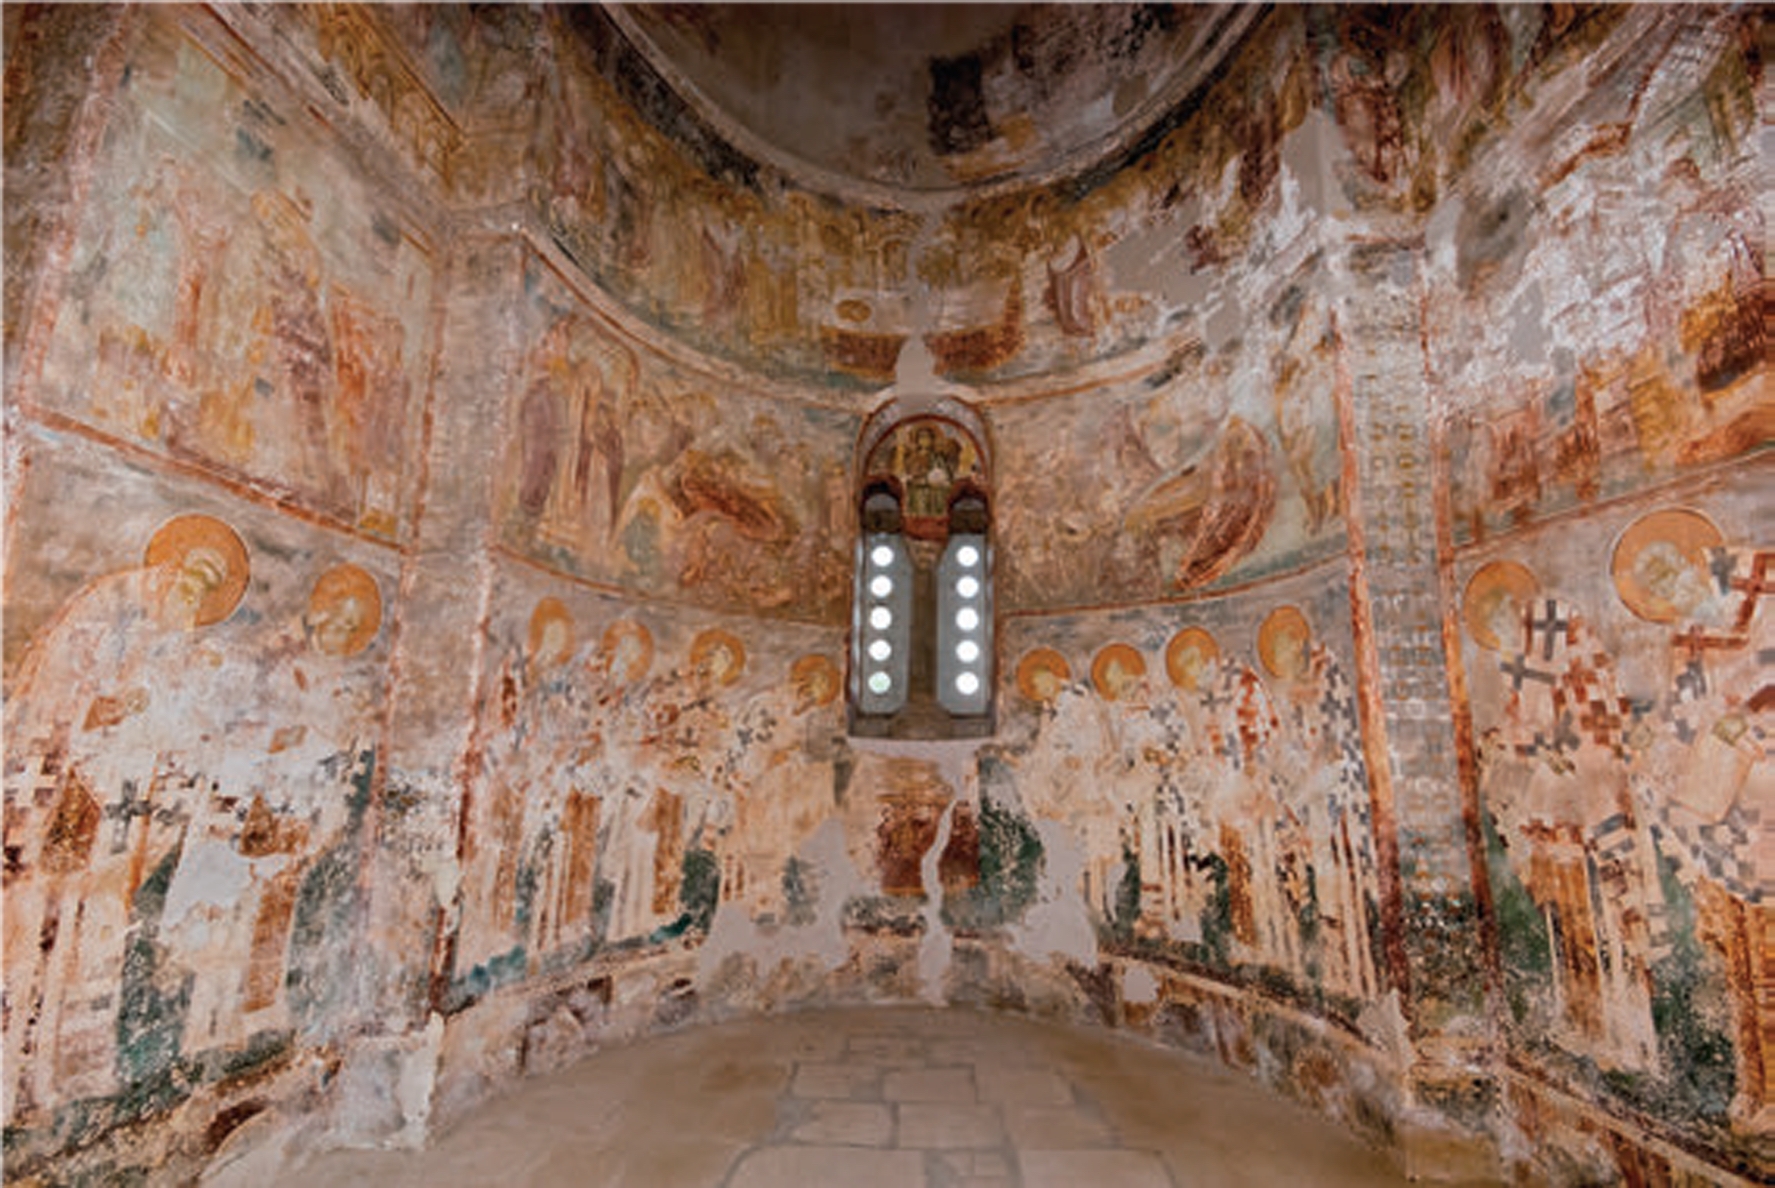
1552	624
47	780
1518	671
1216	697
125	812
1602	721
1753	588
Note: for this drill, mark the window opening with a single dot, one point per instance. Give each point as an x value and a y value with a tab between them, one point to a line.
922	625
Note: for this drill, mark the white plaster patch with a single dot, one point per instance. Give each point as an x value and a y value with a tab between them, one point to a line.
1528	326
1146	260
734	932
1139	985
1440	242
211	873
1058	924
446	877
937	947
418	1073
1383	1021
1223	323
827	853
1312	153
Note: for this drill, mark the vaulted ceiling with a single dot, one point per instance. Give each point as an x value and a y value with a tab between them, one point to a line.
901	101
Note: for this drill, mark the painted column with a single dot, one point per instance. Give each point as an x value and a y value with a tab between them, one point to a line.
437	670
1435	912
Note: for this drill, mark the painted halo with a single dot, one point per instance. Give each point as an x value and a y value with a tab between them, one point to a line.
1033	665
1190	639
818	672
1281	623
179	537
1676	537
549	621
708	644
1491	583
611	645
1111	657
333	590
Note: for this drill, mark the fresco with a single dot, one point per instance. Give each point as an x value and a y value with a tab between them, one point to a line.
928	460
637	773
192	738
645	477
219	313
1209	471
1620	694
1588	348
623	590
1206	760
1314	111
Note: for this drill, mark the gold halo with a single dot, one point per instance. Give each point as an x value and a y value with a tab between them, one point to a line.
343	582
1114	653
1190	637
176	538
1488	583
548	612
1038	661
1284	620
705	645
1690	532
812	667
612	639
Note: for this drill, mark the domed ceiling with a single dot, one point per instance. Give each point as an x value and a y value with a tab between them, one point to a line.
894	103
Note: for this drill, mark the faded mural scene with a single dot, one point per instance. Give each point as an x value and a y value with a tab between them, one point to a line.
1620	696
439	446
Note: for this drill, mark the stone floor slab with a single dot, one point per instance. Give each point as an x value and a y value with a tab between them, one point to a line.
1075	1169
829	1167
1056	1127
789	1103
929	1084
846	1123
944	1125
857	1082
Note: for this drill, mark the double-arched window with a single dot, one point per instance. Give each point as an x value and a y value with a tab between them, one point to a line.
922	624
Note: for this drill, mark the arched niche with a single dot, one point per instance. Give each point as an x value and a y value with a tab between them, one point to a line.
922	629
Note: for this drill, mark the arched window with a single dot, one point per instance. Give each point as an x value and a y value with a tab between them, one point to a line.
881	618
964	611
921	622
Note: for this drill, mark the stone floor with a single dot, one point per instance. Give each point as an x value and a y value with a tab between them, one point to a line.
885	1098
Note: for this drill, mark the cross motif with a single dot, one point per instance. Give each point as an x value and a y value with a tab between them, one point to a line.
1552	624
125	812
1752	587
47	779
1215	698
1518	671
1602	722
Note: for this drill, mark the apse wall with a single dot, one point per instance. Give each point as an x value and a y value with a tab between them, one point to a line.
454	679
